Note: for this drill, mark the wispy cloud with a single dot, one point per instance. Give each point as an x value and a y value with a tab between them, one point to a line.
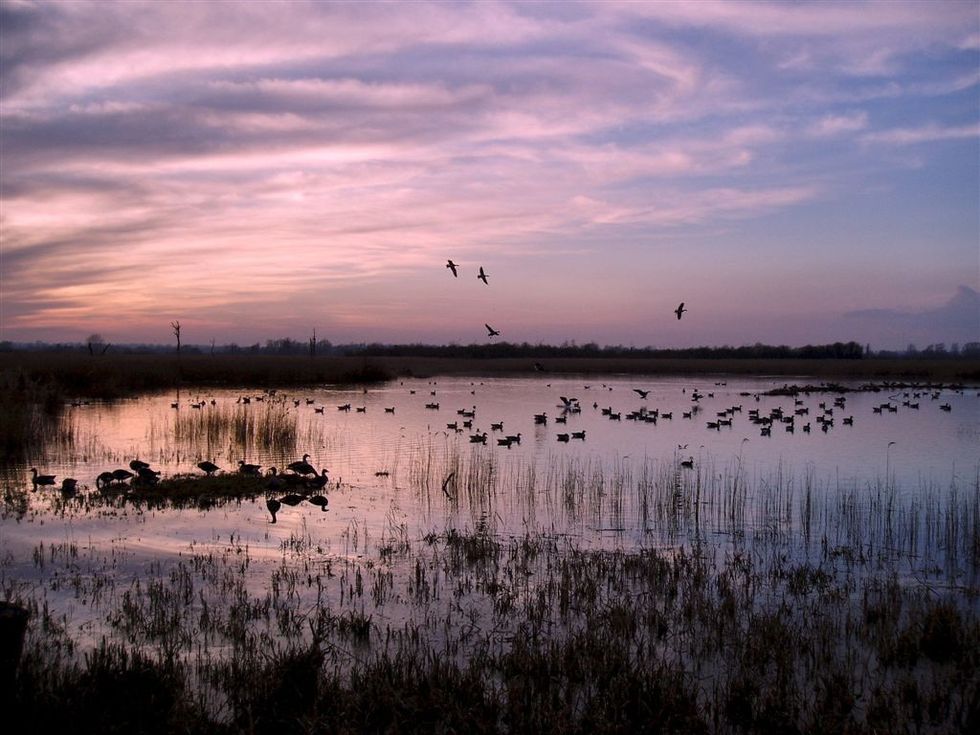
233	164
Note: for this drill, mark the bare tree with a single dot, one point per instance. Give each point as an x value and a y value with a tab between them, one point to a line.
175	325
313	344
96	345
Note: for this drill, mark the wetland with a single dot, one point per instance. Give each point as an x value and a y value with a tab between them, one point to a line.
698	552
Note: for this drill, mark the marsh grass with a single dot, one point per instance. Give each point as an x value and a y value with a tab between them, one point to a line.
718	602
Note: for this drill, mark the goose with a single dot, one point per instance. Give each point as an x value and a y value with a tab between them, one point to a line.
452	266
504	442
541	418
563	437
319	481
301	466
208	468
497	427
318	409
514	438
136	465
478	438
68	486
578	435
688	463
491	332
482	276
147	476
319	500
390	410
641	393
273	505
248	469
41	479
680	310
104	478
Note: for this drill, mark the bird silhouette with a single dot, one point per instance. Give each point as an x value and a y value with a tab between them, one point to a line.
319	500
641	393
208	468
69	486
291	499
452	266
482	276
136	465
680	310
301	466
244	468
41	479
273	505
491	332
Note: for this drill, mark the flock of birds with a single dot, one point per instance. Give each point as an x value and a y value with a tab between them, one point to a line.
483	276
300	477
302	482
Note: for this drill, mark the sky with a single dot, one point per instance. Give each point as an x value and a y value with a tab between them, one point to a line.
794	172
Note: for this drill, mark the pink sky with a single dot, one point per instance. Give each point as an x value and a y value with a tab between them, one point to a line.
794	173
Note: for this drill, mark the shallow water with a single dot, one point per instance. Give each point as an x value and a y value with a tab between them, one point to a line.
879	484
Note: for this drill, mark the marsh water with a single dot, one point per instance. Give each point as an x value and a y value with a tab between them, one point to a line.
399	472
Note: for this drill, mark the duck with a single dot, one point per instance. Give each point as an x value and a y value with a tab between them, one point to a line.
41	479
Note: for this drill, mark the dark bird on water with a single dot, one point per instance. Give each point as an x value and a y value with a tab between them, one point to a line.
452	266
245	468
121	475
302	466
680	310
641	393
491	332
41	479
208	468
483	276
136	465
319	500
273	505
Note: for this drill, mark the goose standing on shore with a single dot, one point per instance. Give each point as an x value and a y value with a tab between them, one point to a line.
208	468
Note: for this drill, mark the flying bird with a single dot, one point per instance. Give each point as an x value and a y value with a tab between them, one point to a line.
680	310
491	332
641	393
452	266
483	276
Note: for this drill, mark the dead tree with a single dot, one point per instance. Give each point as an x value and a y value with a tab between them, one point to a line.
175	325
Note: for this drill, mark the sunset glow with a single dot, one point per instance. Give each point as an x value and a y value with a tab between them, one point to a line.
794	173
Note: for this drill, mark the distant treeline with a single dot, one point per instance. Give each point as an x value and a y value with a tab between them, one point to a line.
286	346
